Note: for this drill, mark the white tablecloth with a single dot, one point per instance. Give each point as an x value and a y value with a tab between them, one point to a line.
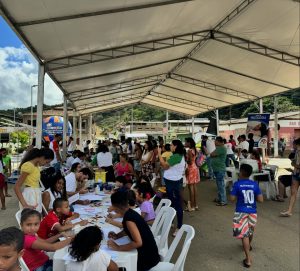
126	259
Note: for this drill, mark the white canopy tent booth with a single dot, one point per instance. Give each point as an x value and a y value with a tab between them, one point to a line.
184	56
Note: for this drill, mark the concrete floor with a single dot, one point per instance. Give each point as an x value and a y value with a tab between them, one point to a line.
275	245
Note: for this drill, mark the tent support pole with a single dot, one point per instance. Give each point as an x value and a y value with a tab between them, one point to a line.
217	121
261	110
275	126
193	127
74	127
40	106
80	133
65	129
91	127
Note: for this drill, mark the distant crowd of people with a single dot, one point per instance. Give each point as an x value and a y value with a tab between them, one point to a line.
136	169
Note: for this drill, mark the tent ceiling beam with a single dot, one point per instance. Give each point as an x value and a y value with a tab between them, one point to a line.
112	108
254	47
170	104
101	12
121	85
238	73
107	93
181	100
212	86
170	110
119	71
125	51
229	17
196	94
113	100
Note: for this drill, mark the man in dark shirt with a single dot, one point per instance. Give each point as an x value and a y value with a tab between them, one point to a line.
251	142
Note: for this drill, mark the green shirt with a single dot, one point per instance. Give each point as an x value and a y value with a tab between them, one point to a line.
174	159
218	162
6	160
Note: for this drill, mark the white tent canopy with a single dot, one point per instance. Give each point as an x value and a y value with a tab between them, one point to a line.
185	56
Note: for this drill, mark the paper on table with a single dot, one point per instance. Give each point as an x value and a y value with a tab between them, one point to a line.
107	229
76	220
73	198
123	240
91	197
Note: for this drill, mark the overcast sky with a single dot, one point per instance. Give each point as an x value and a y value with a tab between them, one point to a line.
18	72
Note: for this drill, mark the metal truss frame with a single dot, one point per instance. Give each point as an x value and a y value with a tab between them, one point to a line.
170	104
119	71
118	86
109	109
165	43
115	100
193	93
102	12
254	47
108	93
237	73
235	12
125	51
181	100
212	86
170	110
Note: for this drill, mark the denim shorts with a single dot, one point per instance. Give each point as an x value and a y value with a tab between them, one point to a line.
296	177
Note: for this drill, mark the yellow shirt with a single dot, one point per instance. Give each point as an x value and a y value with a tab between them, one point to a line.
166	155
33	176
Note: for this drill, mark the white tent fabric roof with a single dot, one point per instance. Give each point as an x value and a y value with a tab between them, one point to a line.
181	55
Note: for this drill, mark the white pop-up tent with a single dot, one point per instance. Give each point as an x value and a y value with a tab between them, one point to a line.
181	55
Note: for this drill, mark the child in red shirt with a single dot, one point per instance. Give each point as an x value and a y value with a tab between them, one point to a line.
34	247
58	220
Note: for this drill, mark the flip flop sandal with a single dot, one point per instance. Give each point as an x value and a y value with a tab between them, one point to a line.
245	264
285	214
278	199
221	204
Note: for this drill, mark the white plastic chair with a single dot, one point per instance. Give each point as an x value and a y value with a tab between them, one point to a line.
18	217
163	202
161	228
23	265
166	265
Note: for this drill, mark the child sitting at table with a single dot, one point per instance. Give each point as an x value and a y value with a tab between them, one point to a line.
85	249
121	184
58	220
137	230
143	196
246	192
11	248
131	197
34	247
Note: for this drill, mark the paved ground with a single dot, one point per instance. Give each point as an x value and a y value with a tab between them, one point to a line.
275	246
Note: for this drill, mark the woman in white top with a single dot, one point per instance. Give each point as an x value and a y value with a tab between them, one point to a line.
86	252
104	161
146	162
71	145
56	190
173	173
230	154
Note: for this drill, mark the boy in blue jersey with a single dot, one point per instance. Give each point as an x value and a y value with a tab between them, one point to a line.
246	192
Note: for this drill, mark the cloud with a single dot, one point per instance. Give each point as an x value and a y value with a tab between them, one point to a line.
18	72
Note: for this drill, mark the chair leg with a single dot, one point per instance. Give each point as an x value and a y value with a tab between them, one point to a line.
267	184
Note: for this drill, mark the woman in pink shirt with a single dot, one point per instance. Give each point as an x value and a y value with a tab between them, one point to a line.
124	168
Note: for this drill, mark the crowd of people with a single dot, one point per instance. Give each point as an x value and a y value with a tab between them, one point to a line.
136	170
